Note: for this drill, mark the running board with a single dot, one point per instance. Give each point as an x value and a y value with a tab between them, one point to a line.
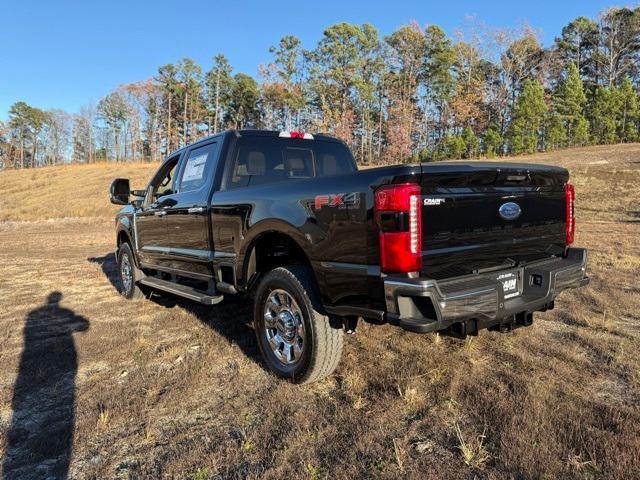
182	290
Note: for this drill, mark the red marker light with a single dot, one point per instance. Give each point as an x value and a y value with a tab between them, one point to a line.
570	199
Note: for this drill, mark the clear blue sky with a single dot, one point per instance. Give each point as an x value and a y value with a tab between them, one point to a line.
65	54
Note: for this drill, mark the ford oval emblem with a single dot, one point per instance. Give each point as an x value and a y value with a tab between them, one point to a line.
509	211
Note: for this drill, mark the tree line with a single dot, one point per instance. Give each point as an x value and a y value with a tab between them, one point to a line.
414	95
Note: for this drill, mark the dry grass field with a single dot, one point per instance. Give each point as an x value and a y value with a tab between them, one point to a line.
165	388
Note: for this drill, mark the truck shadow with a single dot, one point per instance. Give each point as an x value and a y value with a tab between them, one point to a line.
40	437
109	267
231	318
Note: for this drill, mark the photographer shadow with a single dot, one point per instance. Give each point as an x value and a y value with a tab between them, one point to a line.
40	437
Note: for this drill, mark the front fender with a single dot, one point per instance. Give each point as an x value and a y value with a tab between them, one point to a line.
125	232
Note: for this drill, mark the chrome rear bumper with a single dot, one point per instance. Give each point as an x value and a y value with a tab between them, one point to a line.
425	305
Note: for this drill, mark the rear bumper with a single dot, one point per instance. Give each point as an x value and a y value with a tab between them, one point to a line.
468	304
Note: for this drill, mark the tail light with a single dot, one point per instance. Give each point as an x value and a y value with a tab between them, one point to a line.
399	218
570	198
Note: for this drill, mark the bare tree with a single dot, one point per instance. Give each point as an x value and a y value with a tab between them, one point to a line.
83	137
619	51
57	135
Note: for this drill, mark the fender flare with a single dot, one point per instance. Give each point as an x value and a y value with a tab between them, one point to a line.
257	233
123	229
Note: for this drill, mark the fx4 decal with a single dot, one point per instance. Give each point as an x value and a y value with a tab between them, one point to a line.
340	200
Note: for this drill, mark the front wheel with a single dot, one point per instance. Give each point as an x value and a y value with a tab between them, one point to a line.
128	273
296	340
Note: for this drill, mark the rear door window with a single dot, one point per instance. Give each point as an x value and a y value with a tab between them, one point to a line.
264	160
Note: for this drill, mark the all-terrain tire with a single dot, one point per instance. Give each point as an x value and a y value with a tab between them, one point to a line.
322	342
128	274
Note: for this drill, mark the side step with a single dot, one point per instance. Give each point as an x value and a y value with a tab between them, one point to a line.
182	290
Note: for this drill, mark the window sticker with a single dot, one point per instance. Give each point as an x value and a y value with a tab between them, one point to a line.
194	170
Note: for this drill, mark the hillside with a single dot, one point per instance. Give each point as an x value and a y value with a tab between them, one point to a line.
165	388
76	191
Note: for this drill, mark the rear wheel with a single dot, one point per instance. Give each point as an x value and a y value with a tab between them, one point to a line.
296	340
128	273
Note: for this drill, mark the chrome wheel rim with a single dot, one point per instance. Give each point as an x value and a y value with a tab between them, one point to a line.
126	273
284	327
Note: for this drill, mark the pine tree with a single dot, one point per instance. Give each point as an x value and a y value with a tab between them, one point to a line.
527	119
581	132
167	80
218	84
603	114
190	87
555	132
578	44
492	141
114	111
627	124
569	102
243	105
472	143
452	147
286	82
439	82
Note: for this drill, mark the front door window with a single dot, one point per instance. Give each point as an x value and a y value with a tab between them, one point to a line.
163	184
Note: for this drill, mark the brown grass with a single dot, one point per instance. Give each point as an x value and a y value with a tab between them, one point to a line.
166	388
76	191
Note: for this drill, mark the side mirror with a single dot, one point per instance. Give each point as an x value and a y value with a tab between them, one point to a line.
119	191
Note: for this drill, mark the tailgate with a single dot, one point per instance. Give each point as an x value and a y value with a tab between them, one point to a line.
479	216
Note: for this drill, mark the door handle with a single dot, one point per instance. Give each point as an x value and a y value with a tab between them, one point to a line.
195	210
160	213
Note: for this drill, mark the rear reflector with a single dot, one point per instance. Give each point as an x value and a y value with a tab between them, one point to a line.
400	238
293	134
570	199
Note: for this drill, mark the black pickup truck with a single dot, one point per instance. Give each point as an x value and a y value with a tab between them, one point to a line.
287	217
